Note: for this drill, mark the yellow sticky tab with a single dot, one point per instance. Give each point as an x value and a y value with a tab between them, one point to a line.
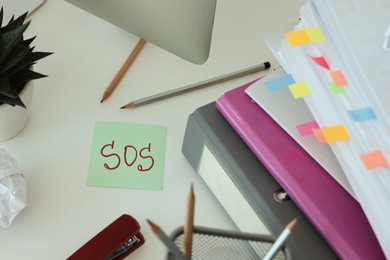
315	35
308	35
297	38
374	160
299	90
335	134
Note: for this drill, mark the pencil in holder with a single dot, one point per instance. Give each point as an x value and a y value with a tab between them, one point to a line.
208	243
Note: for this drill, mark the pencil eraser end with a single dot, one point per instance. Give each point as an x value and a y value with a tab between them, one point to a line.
267	65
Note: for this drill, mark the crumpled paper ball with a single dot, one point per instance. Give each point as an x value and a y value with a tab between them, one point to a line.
13	189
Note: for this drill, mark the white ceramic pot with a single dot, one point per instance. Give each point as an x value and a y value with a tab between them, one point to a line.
14	118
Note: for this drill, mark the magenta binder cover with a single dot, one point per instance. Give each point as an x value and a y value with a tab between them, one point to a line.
336	214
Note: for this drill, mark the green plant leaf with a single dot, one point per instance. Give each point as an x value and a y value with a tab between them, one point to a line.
23	76
1	17
9	39
29	60
12	101
27	42
17	54
7	89
14	24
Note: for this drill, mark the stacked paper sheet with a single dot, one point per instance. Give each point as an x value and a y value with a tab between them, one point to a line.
335	61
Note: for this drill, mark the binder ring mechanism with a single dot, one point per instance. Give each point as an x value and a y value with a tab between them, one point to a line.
281	196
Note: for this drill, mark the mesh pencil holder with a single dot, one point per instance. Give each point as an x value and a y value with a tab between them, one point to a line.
217	244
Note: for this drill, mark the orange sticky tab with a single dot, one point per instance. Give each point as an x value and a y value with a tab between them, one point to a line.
335	134
374	160
338	78
319	135
299	90
297	38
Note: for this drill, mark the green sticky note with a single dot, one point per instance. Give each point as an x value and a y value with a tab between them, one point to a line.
127	155
335	89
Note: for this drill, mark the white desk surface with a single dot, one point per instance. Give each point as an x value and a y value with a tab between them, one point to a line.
54	148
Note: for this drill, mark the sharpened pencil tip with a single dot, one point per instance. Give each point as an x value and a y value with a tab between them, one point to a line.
153	226
129	105
293	224
192	193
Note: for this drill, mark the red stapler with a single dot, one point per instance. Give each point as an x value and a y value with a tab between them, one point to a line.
115	242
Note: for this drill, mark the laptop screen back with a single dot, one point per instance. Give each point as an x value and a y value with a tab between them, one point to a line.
182	27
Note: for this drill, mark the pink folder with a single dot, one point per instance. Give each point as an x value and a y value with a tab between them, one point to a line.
333	211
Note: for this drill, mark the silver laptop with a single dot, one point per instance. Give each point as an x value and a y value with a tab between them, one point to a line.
182	27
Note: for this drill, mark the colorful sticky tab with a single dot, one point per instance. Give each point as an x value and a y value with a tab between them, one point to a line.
315	35
374	160
308	35
279	83
362	114
297	38
331	134
335	89
321	61
338	78
319	135
299	90
307	128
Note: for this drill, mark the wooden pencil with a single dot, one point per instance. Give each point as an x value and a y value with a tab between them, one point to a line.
167	241
288	230
114	83
189	224
192	87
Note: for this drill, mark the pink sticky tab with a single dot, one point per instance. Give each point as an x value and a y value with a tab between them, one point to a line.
338	78
307	128
374	160
321	61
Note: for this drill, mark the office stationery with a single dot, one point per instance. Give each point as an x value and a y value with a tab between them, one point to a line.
293	115
337	216
290	228
189	224
66	106
242	184
211	243
114	83
127	155
114	242
167	241
196	86
183	28
359	67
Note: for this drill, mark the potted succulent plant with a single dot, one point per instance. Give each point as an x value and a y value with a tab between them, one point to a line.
17	58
